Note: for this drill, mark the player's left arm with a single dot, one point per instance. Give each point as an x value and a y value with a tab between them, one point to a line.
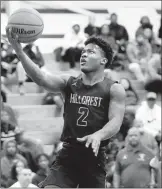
115	113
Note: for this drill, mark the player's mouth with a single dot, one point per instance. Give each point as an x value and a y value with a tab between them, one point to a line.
83	61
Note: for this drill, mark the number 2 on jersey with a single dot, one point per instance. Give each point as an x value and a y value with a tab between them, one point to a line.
81	121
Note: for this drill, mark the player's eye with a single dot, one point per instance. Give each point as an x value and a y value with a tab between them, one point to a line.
83	52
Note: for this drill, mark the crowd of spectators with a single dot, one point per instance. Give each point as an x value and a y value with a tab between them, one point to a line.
133	155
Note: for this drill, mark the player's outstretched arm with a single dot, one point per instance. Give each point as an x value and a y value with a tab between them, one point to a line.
53	83
115	113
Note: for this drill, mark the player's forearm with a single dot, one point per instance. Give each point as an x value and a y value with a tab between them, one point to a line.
110	129
30	67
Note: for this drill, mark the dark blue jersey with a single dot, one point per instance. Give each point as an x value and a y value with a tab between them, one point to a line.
86	107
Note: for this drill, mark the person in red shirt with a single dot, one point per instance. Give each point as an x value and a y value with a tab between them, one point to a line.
132	169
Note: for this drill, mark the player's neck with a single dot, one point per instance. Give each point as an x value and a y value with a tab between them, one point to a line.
92	78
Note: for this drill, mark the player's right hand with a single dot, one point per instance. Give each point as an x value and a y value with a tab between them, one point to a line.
13	39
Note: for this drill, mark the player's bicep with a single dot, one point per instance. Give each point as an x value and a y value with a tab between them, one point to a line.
55	82
117	103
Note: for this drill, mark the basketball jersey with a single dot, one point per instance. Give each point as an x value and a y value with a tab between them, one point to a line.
86	108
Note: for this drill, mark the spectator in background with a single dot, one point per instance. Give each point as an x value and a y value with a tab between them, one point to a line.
10	156
149	113
34	53
132	169
128	122
73	45
57	99
150	37
43	169
24	179
8	120
15	170
9	62
160	31
139	53
146	138
144	23
106	35
8	109
131	94
154	68
30	148
118	31
91	29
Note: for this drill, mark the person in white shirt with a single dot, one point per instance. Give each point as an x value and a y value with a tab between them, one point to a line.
149	113
24	179
73	45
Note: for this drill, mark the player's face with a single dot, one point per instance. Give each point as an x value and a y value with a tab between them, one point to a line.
91	58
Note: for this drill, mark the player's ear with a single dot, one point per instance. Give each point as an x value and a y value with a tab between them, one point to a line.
104	61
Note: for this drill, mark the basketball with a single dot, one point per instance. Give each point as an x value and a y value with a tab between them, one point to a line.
27	24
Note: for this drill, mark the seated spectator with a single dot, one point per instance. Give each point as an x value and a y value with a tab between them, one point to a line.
91	29
144	23
28	147
149	113
24	179
9	62
118	31
15	170
154	68
57	99
8	109
73	45
106	35
150	36
131	95
139	53
36	56
43	169
128	122
132	169
10	156
8	120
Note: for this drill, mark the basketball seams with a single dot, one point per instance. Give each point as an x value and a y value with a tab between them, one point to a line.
29	13
34	21
25	24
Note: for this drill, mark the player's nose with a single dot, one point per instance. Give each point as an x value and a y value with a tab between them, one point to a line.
84	55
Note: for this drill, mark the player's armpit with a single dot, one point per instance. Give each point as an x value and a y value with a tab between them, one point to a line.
54	82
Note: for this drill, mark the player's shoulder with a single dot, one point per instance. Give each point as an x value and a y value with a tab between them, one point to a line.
117	89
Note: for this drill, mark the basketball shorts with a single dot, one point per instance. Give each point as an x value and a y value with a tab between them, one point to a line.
76	166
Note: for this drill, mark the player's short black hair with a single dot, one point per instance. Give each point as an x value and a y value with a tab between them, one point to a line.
104	46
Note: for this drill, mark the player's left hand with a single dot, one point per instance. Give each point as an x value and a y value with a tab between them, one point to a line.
94	140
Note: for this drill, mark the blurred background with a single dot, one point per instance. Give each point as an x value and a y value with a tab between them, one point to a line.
32	118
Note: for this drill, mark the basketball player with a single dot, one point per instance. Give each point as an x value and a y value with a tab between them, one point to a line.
93	112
